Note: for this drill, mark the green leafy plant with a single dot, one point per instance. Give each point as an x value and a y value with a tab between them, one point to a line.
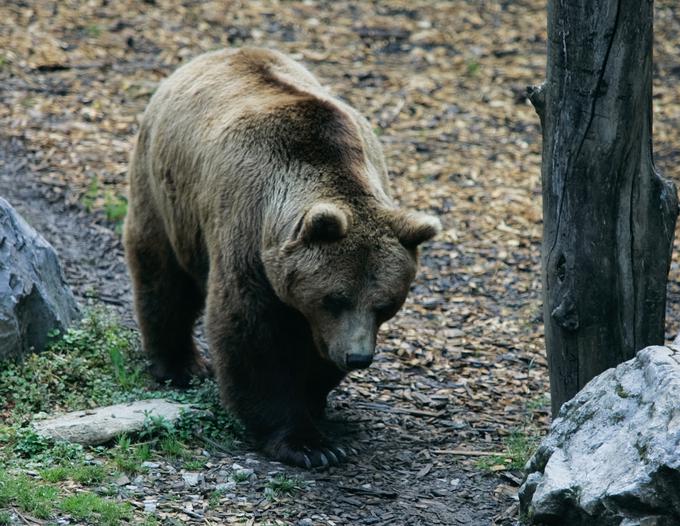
115	208
156	427
27	443
472	68
93	31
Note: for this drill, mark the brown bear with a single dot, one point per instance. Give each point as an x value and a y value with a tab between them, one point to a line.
257	195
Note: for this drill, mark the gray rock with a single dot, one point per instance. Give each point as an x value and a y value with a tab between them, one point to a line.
612	456
97	426
192	478
34	298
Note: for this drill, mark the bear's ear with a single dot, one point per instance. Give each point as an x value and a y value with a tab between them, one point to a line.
324	222
414	228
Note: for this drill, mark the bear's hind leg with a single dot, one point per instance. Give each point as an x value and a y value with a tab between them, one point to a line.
167	303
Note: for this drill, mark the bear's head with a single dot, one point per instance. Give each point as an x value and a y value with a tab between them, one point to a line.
348	272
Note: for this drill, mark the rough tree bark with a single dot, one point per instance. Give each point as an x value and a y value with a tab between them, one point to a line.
609	217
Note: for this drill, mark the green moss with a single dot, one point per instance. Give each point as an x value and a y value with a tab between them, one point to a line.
620	391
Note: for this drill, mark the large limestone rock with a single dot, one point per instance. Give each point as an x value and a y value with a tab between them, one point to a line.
100	425
34	299
612	456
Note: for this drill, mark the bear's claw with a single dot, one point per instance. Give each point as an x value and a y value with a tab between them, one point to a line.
308	457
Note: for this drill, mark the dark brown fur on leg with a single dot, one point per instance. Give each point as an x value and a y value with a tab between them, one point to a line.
167	302
262	374
322	377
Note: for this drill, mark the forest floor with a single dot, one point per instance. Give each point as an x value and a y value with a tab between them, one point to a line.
462	366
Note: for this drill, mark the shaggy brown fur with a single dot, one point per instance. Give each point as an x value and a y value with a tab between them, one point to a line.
255	194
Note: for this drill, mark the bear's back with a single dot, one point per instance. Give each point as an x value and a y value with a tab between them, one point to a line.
250	106
240	91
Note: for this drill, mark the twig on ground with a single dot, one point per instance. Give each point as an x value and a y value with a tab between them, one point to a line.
383	494
466	453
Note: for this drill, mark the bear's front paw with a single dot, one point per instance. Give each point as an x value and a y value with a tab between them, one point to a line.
305	452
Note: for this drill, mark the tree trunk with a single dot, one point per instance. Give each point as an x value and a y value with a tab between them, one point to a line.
609	217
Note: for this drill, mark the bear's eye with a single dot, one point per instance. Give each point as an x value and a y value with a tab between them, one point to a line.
336	303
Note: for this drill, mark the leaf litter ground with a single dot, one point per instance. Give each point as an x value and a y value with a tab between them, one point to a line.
461	371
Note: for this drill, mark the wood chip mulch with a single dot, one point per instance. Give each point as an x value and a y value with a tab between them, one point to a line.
462	366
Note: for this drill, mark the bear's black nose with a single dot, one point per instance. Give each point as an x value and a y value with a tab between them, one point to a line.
358	361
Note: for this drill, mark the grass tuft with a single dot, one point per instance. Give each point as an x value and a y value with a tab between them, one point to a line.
95	509
281	485
519	446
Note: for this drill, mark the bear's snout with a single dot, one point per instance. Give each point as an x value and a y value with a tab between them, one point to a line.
358	361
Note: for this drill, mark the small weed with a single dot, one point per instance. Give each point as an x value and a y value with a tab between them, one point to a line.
127	464
115	208
123	442
89	475
472	68
28	444
172	447
156	427
129	459
282	485
28	102
127	379
539	404
82	473
142	452
56	474
89	198
5	518
63	451
240	476
111	203
519	446
93	31
214	499
194	465
212	422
